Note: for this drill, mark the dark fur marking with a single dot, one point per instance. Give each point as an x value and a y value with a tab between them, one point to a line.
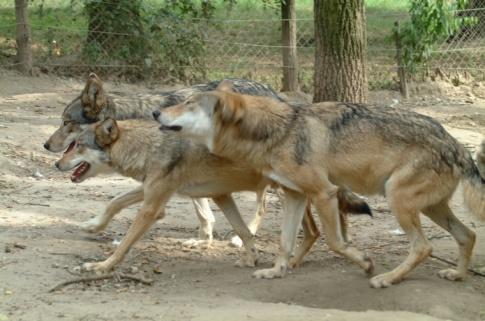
241	86
404	128
176	156
303	140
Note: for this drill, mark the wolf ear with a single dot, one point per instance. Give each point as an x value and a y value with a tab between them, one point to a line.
93	97
226	86
231	107
107	132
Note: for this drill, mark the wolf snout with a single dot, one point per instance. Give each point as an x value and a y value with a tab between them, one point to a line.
47	145
156	114
57	165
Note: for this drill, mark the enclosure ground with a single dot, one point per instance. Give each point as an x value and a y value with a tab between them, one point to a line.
41	244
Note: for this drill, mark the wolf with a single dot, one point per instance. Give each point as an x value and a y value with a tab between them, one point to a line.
166	164
94	104
408	157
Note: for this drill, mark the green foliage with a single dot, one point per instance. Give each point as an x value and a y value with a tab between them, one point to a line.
116	30
432	21
176	42
168	40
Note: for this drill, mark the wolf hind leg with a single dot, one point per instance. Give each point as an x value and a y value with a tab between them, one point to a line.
442	215
400	197
327	207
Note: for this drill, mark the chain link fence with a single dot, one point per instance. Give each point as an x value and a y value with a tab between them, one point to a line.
69	41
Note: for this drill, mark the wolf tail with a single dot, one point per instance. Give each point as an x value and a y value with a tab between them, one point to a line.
474	184
481	159
351	203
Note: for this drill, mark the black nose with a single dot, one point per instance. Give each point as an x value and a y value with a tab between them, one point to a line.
156	114
57	164
46	146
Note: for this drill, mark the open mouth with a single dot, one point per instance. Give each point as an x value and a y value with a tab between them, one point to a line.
70	147
175	128
79	172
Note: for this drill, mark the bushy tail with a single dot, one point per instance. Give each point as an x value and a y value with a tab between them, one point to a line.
474	185
351	203
481	159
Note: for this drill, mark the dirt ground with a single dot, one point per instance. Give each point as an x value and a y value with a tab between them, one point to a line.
42	245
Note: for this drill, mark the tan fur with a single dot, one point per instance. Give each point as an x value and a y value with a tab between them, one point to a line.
408	157
139	150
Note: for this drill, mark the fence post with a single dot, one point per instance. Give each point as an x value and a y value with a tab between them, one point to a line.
24	45
401	70
290	59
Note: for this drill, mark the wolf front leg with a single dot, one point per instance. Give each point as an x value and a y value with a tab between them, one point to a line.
151	210
99	223
295	204
229	208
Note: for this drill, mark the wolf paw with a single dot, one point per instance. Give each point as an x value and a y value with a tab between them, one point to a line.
369	270
451	274
193	243
246	261
275	272
98	267
93	225
384	280
236	241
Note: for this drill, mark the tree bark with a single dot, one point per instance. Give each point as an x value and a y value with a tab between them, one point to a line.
340	66
24	43
290	59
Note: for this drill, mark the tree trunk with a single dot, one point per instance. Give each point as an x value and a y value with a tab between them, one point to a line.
290	59
24	44
340	68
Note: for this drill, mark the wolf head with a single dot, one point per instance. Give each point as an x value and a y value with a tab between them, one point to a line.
89	154
92	105
195	117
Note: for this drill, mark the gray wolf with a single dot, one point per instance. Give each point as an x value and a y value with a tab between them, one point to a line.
408	157
95	103
166	164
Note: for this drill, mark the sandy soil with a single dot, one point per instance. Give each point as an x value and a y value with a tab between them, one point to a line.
41	244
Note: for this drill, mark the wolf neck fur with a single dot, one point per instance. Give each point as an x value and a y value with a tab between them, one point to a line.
261	125
127	157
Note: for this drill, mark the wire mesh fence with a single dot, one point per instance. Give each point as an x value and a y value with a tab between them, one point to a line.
69	38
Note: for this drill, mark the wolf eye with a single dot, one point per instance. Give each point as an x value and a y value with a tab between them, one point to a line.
65	123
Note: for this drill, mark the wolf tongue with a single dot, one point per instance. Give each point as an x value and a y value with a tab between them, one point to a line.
79	171
70	147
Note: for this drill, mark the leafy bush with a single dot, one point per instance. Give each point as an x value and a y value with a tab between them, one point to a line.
115	30
432	21
176	41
